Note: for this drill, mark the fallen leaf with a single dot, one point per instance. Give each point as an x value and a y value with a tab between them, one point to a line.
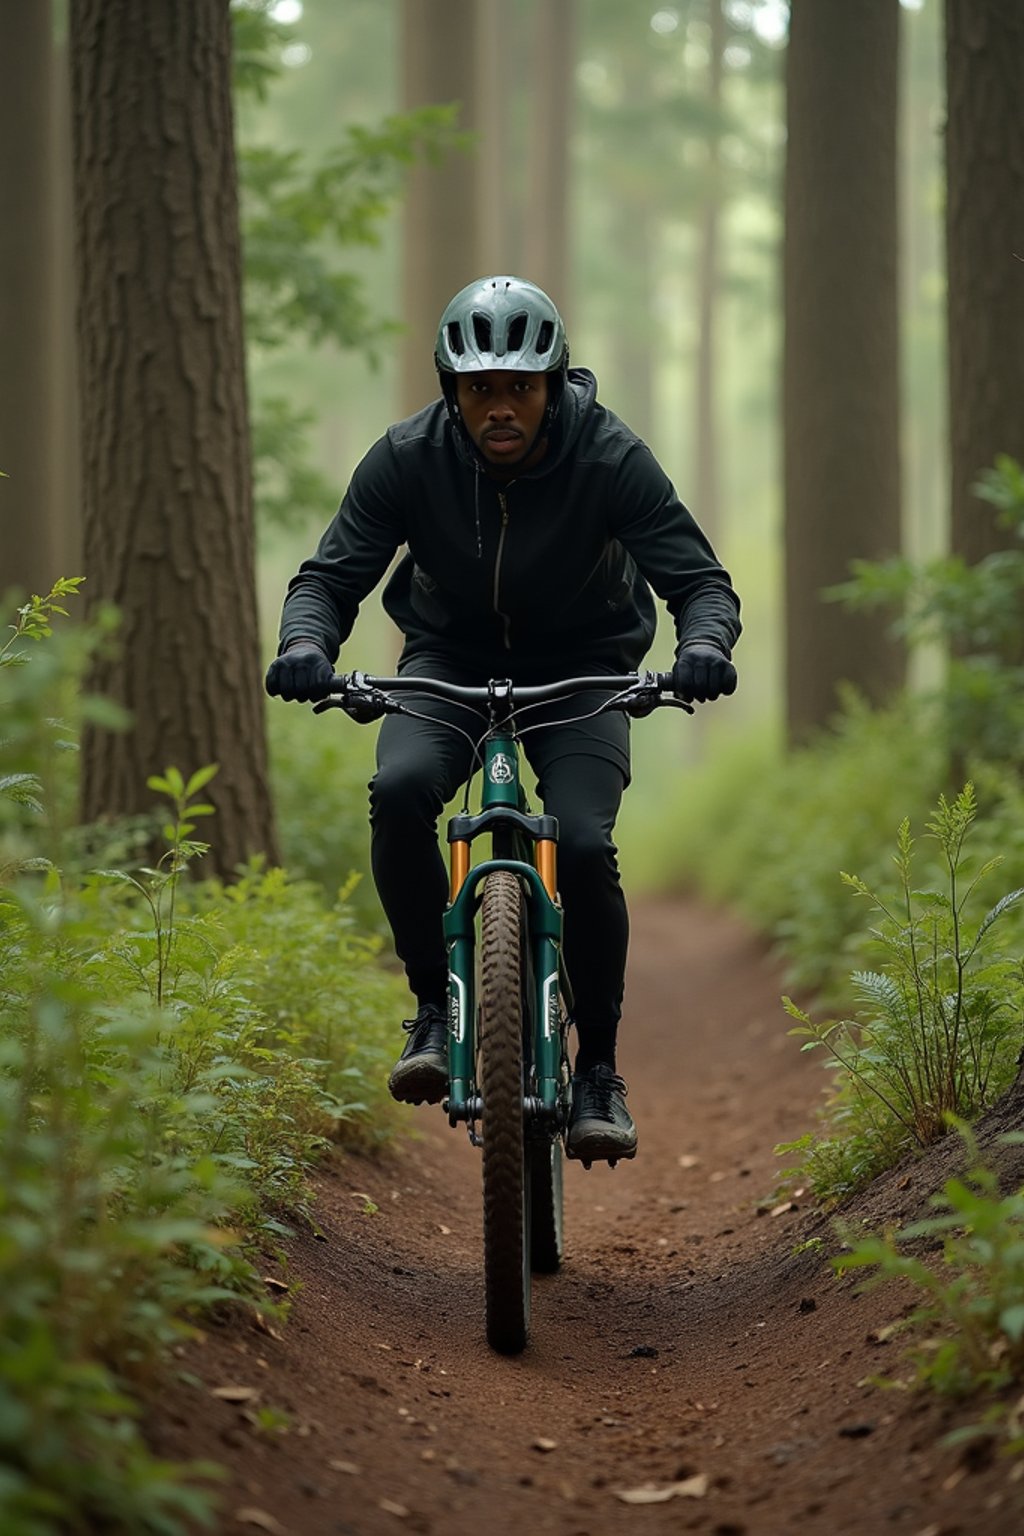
391	1508
689	1161
780	1210
264	1327
275	1284
236	1394
883	1335
348	1467
542	1443
689	1488
260	1519
444	1231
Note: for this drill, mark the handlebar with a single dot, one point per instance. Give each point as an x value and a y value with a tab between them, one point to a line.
367	698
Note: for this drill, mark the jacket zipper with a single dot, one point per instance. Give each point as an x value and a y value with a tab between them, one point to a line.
506	621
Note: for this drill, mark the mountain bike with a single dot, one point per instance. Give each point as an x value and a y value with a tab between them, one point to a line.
509	997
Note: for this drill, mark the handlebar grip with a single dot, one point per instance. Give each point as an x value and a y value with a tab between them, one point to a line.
664	680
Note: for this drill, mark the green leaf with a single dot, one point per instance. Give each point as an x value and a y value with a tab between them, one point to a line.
1011	1321
199	779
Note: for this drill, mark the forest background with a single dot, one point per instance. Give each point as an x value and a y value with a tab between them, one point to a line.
790	248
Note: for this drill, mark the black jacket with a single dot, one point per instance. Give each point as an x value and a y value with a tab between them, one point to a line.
557	563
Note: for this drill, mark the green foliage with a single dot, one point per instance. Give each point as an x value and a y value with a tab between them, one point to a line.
294	219
43	706
973	612
939	1025
970	1322
768	832
173	1055
320	768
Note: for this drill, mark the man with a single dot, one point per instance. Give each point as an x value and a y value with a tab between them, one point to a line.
536	524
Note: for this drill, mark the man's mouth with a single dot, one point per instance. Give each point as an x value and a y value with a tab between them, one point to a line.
502	439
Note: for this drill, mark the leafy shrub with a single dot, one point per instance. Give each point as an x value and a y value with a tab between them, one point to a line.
970	1323
939	1027
171	1060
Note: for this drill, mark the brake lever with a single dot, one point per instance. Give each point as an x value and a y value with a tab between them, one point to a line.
649	697
361	704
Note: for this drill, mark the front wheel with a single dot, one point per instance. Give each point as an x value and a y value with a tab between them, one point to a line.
506	1188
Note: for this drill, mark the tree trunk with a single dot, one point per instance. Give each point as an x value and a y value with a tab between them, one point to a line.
841	365
547	223
30	554
66	446
706	490
984	253
498	198
167	490
440	52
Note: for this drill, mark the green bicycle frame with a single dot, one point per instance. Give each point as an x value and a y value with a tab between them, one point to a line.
503	805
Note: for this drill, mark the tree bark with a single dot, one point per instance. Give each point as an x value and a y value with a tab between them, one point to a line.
29	552
168	526
841	364
64	357
984	255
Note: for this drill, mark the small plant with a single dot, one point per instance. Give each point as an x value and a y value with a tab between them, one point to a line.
941	1021
970	1322
159	886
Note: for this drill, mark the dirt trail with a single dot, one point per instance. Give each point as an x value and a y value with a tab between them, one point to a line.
682	1339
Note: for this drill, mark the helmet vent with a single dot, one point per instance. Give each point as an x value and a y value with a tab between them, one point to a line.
517	332
545	336
455	341
482	332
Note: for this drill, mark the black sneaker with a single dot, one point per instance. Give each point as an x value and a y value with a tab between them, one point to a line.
600	1126
421	1072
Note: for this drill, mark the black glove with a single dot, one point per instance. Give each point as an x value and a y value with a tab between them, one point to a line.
701	673
303	673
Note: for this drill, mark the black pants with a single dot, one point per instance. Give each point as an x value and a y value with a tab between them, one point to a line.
582	769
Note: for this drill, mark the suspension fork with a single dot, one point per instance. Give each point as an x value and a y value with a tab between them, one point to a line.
544	927
503	812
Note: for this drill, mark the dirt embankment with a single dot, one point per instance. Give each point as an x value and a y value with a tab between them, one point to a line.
685	1357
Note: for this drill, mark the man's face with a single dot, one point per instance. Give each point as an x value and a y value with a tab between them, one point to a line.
503	412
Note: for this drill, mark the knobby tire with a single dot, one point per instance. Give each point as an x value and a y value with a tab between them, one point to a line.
506	1184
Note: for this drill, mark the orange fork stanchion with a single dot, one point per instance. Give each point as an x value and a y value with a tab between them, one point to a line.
546	865
459	857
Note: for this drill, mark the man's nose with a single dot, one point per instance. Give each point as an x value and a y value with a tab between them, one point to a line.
501	407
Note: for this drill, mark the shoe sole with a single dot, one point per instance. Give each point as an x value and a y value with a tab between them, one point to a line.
612	1155
420	1083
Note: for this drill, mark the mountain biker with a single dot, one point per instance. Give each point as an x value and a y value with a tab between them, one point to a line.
536	524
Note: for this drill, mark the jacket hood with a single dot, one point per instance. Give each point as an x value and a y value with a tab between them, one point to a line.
576	404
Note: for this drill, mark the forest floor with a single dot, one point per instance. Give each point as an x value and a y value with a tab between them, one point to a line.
685	1349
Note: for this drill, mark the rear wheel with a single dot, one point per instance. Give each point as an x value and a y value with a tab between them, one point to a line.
546	1206
506	1187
